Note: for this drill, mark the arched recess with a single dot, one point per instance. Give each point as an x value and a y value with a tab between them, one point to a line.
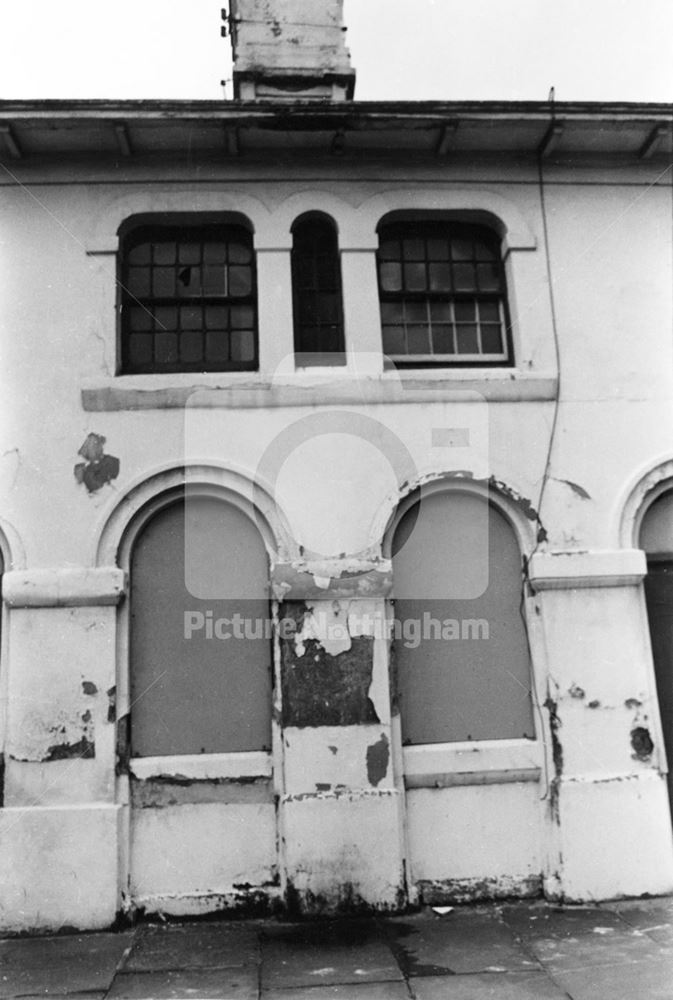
464	669
102	236
472	203
12	557
252	495
195	683
472	755
200	665
655	537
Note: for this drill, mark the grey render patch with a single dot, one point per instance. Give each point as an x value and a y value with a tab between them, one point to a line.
378	756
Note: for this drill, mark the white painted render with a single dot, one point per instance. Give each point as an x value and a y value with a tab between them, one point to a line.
596	826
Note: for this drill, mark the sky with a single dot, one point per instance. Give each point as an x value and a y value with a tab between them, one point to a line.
603	50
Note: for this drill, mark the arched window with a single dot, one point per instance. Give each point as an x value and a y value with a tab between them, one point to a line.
656	538
188	298
460	646
442	293
200	646
316	291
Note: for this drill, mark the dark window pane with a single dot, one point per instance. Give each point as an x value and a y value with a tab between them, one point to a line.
413	249
414	277
191	347
140	254
489	312
463	276
138	282
215	253
328	308
438	249
166	348
440	277
461	249
484	251
217	345
214	281
240	281
217	317
308	338
442	339
241	317
418	340
394	340
489	277
330	338
464	312
163	282
141	318
491	339
389	250
304	273
189	253
391	312
191	317
165	318
391	277
416	312
240	253
326	275
440	312
164	253
466	337
140	349
242	345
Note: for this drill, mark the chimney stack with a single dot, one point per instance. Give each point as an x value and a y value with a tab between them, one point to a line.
290	50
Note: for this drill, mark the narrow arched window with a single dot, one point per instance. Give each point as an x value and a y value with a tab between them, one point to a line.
316	291
188	299
442	293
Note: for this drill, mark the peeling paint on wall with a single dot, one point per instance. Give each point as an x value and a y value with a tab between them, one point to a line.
83	749
112	704
579	491
557	755
642	744
49	734
378	757
319	687
161	791
97	469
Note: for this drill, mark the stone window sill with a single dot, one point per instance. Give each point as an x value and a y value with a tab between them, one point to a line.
242	390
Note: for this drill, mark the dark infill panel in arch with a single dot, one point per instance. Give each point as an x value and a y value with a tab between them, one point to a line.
657	539
195	686
463	665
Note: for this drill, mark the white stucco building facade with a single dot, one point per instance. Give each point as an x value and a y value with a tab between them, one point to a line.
364	766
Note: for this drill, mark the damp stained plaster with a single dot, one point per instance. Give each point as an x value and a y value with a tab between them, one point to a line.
332	671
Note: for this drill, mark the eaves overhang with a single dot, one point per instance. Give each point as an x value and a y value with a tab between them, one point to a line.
139	129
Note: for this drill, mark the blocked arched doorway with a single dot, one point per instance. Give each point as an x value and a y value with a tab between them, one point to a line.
656	538
202	826
472	758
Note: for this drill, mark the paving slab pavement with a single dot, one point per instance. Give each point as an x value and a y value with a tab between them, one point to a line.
521	951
